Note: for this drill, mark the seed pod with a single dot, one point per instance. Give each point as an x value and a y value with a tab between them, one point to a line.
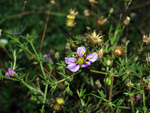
118	51
146	39
95	38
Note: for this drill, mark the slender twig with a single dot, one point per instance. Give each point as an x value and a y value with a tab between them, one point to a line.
25	2
8	53
100	72
54	77
111	87
45	28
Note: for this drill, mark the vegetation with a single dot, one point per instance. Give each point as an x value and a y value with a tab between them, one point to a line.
74	56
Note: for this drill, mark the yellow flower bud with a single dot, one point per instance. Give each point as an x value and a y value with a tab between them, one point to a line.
126	21
59	100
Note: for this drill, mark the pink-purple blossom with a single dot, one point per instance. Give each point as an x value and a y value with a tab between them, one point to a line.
138	97
10	73
80	59
48	57
83	38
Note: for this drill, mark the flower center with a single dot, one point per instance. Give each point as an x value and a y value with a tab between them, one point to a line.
80	60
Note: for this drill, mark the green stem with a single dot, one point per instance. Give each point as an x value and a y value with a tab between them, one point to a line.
34	49
100	72
14	79
14	54
111	88
31	88
45	94
43	72
68	77
41	65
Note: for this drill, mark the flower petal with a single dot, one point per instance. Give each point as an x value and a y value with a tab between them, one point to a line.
70	60
86	64
92	57
81	51
11	71
48	57
7	75
73	67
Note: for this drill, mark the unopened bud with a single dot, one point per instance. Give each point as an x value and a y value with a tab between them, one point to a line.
108	81
88	28
108	63
138	97
126	21
67	46
57	56
102	21
73	45
59	100
52	52
52	2
111	10
98	84
100	53
86	13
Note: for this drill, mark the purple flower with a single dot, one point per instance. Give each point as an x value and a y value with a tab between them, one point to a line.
80	59
10	73
48	57
138	97
83	38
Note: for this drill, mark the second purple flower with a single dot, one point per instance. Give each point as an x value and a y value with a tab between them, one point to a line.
80	59
48	57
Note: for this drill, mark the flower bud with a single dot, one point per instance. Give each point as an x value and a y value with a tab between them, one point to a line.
102	21
108	81
67	46
52	2
100	53
73	45
57	56
111	11
59	101
146	39
57	107
98	84
3	42
126	21
108	63
93	1
52	51
88	28
86	13
138	97
118	51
